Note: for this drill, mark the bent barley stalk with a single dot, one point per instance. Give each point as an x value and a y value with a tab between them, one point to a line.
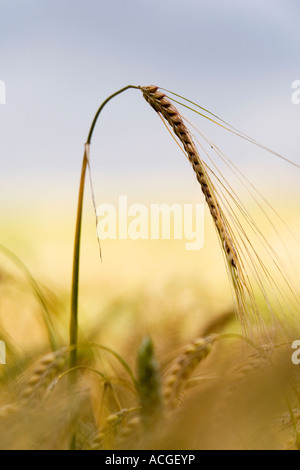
242	288
162	105
76	256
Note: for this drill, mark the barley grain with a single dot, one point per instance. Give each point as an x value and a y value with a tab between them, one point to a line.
183	367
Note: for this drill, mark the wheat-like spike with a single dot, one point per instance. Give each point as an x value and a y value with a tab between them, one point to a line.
115	425
161	104
183	367
42	374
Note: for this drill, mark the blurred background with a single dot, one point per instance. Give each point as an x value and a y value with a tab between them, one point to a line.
60	60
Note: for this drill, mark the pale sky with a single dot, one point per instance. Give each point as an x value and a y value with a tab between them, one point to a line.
61	58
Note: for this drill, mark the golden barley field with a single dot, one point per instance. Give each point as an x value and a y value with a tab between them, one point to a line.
164	363
150	345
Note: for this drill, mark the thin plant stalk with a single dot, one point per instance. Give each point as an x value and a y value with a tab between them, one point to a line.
76	257
76	262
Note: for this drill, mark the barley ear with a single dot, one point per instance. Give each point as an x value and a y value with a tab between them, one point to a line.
163	106
183	367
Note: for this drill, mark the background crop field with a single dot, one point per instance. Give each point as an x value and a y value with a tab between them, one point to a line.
163	360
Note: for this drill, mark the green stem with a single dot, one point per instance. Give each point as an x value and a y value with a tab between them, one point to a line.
89	140
76	257
76	260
